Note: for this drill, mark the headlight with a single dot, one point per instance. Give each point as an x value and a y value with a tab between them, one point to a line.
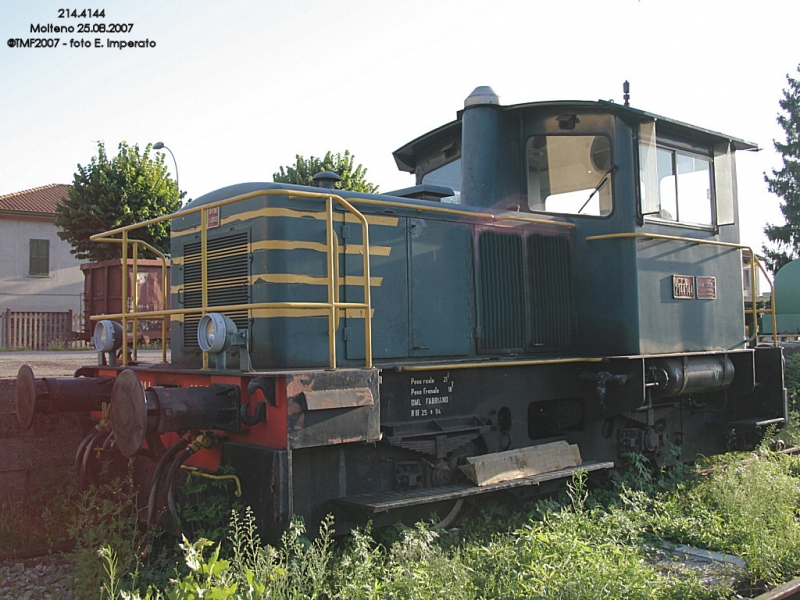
107	336
216	333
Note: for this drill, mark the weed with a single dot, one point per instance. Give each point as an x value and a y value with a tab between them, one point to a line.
792	380
42	517
638	474
103	518
580	544
205	505
57	345
111	587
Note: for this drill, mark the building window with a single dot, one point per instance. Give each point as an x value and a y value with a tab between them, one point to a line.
40	258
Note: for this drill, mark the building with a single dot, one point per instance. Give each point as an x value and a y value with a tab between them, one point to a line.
37	271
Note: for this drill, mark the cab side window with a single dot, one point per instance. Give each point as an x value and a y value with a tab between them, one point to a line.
685	183
684	187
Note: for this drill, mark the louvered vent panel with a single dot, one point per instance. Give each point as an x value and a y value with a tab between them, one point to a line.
502	294
228	280
550	292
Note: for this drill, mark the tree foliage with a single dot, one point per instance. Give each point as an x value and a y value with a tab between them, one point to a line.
785	182
110	193
303	171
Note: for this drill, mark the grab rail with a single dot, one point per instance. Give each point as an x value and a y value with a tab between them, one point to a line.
332	306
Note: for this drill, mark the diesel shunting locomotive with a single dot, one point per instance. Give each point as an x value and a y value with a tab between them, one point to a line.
562	286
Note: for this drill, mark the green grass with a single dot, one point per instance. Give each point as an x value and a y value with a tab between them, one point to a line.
582	544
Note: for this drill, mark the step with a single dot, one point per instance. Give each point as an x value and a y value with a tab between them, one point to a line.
385	501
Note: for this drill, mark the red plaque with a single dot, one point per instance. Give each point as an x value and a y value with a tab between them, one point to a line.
213	217
707	288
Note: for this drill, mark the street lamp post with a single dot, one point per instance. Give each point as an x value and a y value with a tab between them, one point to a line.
159	146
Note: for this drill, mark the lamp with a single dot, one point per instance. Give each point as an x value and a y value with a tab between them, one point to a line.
160	146
216	334
107	339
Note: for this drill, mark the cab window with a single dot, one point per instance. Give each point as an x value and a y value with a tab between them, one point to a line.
570	174
448	175
684	187
685	183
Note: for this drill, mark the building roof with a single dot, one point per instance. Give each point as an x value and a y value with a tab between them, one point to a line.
41	200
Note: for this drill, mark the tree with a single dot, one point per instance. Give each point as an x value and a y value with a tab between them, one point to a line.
785	183
303	171
106	194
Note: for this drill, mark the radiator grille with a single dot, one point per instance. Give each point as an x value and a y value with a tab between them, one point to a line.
525	293
228	270
550	292
502	292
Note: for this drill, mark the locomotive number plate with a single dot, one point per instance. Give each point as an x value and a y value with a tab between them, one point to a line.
683	287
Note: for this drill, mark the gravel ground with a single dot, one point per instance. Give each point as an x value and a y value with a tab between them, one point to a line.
46	577
58	364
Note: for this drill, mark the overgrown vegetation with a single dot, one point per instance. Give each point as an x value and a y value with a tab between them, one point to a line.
792	378
602	543
42	518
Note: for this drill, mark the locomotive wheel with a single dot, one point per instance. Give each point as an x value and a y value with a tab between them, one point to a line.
450	510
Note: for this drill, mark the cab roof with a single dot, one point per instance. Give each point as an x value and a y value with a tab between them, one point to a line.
406	156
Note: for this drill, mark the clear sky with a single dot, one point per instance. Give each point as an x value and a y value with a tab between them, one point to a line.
235	89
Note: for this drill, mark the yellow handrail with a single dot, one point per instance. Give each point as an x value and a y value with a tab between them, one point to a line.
462	213
332	306
164	287
754	262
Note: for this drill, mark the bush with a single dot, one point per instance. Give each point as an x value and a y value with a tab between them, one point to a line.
792	379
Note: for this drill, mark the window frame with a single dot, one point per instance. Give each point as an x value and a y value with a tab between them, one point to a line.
720	159
610	173
456	198
38	260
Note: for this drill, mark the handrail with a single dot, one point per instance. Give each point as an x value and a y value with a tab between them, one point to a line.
754	262
332	306
164	287
462	213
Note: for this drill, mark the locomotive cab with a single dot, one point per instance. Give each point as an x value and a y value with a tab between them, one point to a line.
618	174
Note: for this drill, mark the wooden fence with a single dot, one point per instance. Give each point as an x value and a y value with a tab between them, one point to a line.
37	330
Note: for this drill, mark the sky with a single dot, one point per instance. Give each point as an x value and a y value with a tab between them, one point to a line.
236	89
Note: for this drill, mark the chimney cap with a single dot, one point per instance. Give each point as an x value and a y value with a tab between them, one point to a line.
483	94
327	179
